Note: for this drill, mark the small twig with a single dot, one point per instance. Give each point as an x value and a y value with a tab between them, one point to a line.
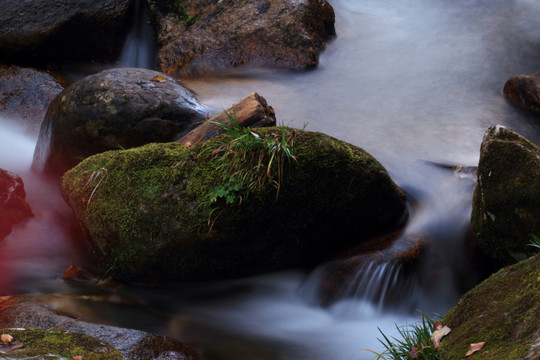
63	323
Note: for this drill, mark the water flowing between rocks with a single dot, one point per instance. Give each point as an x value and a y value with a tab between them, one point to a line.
415	83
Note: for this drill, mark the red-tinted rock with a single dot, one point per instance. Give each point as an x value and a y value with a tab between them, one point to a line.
13	206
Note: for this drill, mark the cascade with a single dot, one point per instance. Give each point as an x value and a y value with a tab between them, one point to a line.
139	49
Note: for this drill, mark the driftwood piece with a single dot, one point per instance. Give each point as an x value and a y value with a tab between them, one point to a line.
251	111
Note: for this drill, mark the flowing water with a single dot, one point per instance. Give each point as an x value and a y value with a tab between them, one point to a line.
415	83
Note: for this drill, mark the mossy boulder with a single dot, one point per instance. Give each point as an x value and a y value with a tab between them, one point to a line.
506	202
48	333
56	344
121	107
149	216
503	311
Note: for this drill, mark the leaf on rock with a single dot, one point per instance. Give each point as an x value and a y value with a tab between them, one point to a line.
159	78
11	346
77	274
474	348
6	338
439	334
437	326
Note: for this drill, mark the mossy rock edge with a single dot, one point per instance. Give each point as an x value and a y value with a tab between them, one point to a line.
57	344
503	311
142	210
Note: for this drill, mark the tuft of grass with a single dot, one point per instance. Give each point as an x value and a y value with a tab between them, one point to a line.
249	162
414	342
535	242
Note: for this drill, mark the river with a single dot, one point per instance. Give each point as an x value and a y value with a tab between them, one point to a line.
414	82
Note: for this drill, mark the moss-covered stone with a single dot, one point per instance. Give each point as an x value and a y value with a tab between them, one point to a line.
506	203
145	212
56	344
503	311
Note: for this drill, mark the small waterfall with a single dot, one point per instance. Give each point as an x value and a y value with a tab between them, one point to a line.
139	49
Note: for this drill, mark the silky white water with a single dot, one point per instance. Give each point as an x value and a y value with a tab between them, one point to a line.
414	82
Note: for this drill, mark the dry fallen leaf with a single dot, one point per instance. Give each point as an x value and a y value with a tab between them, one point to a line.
414	352
437	326
6	338
159	78
438	335
78	358
12	346
474	348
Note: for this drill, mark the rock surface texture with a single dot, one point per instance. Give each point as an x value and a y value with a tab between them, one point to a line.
524	91
503	312
225	34
94	341
25	95
506	202
164	212
40	31
114	108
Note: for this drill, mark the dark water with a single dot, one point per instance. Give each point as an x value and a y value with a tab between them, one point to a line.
414	82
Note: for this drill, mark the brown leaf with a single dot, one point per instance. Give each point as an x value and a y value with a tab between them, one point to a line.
78	358
474	348
438	335
12	346
6	338
159	78
437	326
414	352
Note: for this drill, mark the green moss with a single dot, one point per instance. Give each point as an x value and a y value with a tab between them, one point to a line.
146	218
506	205
503	312
58	344
178	9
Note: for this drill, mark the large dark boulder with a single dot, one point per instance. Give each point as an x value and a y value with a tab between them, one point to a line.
114	108
13	205
502	312
524	91
25	95
40	31
506	203
57	334
211	35
164	212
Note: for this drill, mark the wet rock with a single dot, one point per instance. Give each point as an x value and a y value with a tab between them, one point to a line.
524	91
13	206
114	342
25	95
378	270
164	212
112	109
227	34
503	312
38	32
506	202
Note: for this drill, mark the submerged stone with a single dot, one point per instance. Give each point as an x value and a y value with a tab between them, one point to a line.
151	216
